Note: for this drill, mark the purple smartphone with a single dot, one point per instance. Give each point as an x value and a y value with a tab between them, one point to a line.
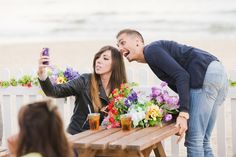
45	53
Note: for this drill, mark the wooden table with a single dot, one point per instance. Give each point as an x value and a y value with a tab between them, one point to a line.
114	142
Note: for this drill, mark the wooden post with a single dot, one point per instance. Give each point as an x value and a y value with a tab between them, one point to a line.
233	115
159	150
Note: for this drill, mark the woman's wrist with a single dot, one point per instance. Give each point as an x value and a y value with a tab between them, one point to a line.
42	76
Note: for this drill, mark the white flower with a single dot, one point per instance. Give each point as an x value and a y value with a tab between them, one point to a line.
142	98
137	115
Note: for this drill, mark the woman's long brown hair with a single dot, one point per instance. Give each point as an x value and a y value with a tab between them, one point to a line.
42	131
118	75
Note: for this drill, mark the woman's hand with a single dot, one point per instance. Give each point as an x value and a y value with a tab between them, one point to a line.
12	144
42	68
181	122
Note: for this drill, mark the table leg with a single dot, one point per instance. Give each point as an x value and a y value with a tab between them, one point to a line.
159	150
147	152
87	153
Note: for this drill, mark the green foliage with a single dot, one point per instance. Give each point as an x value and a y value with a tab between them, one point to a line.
26	81
232	83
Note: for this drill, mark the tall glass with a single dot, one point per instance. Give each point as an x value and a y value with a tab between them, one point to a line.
126	122
94	121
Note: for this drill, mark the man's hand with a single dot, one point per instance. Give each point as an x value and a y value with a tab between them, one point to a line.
181	122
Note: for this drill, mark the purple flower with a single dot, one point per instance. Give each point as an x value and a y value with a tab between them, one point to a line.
53	79
167	117
155	92
163	84
166	97
133	97
172	103
70	74
127	103
159	99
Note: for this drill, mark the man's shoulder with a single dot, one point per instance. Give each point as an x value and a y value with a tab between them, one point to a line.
158	43
153	46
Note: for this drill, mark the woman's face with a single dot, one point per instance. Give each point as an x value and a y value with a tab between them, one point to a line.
103	63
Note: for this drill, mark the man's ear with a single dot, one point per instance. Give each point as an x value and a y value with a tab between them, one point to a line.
138	41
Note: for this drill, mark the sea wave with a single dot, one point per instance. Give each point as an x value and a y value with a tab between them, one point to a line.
92	19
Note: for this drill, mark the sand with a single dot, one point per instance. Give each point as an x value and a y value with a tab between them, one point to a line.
79	54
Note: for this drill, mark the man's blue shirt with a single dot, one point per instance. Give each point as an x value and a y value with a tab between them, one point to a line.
182	67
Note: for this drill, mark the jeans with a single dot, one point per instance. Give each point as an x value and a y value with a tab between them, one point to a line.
204	105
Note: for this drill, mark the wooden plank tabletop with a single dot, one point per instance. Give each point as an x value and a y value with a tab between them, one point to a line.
115	139
122	142
152	138
85	142
103	143
74	138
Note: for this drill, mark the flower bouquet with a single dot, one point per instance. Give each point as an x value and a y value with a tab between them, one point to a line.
146	110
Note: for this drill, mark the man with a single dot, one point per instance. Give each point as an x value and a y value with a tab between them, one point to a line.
197	76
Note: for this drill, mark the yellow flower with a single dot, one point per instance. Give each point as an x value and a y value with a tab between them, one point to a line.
61	80
153	112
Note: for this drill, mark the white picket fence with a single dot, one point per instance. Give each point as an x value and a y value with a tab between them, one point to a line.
12	98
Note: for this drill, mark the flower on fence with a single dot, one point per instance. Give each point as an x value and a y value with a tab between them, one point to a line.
232	83
145	110
56	75
25	81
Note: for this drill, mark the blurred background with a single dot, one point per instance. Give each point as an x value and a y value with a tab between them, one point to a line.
78	28
74	30
37	20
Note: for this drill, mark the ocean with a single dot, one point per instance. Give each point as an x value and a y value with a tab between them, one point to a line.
36	20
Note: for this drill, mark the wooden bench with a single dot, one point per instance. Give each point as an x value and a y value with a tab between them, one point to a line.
114	142
4	152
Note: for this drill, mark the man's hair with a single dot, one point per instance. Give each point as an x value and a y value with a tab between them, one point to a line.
130	32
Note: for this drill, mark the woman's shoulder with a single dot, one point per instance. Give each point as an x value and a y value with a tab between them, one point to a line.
83	80
86	75
32	155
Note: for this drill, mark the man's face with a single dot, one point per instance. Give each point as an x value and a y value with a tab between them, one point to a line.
127	45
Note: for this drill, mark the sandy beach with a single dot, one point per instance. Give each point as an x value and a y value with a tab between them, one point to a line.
79	54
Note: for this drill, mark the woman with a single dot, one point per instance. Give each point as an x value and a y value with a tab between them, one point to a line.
89	89
41	132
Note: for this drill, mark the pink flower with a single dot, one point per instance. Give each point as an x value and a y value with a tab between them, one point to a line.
159	99
163	84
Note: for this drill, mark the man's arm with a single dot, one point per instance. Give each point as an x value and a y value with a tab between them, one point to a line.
158	57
